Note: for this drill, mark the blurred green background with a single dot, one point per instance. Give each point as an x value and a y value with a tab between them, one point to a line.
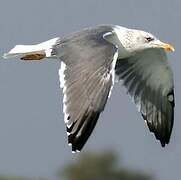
94	166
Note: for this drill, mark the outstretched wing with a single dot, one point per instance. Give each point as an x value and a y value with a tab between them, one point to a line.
149	80
86	76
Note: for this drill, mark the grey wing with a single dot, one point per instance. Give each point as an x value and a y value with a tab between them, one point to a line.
149	80
86	77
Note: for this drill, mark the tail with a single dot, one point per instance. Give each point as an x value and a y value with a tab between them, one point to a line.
32	52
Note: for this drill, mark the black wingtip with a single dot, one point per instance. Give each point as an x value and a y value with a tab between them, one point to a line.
162	144
162	134
78	139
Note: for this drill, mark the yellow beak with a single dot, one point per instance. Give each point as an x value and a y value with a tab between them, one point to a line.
167	47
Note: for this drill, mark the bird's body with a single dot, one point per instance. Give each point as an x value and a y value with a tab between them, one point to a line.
90	60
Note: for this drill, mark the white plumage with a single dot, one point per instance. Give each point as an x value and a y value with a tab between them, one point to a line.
21	50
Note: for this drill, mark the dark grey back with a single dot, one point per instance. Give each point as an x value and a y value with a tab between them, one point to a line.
74	43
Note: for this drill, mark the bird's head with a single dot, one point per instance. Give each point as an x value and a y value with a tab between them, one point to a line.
135	40
144	40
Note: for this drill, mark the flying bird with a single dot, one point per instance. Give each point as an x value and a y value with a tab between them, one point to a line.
92	60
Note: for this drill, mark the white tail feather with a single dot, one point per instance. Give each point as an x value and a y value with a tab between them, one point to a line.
22	50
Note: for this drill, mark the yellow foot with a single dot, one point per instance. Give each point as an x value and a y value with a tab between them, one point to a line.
36	56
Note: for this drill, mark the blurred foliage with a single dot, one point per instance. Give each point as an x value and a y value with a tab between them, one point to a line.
100	166
94	166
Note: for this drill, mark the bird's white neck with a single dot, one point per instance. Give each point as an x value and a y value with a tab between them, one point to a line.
122	41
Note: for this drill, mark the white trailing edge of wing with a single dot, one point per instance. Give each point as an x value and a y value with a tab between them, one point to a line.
113	71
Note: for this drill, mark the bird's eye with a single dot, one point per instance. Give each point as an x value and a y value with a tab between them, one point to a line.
149	39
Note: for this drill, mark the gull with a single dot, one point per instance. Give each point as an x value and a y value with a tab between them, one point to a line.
92	60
